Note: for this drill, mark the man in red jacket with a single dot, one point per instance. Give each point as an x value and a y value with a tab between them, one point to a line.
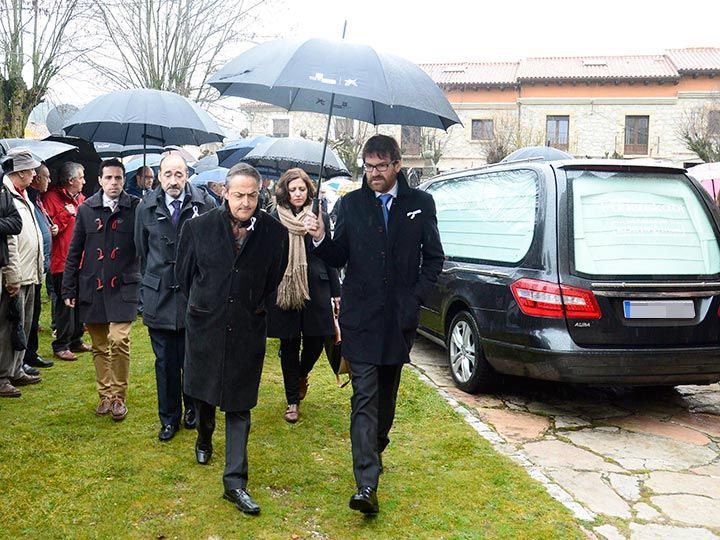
61	203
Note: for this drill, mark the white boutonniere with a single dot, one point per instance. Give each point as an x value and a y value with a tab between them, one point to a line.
414	213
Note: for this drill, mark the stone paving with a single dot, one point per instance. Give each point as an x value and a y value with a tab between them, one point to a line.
628	462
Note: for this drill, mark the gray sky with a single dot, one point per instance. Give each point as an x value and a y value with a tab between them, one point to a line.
467	30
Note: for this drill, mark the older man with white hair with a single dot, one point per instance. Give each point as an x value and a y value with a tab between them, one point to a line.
23	272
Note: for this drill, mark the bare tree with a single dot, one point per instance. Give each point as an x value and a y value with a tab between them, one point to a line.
432	144
699	130
37	42
172	45
508	136
350	136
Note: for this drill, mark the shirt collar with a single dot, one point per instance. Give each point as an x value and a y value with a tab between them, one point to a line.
107	201
393	191
169	200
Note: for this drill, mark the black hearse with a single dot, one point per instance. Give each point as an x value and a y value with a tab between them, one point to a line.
589	271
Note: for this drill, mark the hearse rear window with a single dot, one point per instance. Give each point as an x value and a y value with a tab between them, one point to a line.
487	217
629	223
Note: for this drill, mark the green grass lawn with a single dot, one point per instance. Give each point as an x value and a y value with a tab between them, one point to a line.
65	473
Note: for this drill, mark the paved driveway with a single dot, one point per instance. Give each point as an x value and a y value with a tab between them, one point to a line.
630	463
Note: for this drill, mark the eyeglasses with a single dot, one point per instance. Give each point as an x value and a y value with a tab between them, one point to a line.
380	167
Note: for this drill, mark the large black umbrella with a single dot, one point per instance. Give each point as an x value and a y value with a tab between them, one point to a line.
86	155
337	79
279	155
233	151
145	117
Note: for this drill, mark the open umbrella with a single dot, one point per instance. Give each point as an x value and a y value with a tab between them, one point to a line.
213	175
337	79
279	155
708	174
144	116
86	156
108	150
546	153
41	150
234	151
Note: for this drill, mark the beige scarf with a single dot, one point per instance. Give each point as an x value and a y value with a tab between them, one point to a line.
293	290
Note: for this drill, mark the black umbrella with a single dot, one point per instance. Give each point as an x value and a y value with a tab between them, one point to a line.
86	155
337	79
145	117
279	155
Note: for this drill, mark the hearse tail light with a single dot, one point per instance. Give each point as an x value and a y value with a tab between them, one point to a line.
545	299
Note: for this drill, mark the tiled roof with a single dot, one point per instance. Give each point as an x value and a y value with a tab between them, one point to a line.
697	59
597	67
487	74
669	66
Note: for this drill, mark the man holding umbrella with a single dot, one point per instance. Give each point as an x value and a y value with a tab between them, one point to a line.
159	219
387	236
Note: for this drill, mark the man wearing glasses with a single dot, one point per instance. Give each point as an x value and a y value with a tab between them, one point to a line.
159	219
387	237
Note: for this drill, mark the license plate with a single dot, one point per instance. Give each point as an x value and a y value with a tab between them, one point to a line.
659	309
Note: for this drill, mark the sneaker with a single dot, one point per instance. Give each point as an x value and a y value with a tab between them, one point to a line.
118	409
8	390
104	407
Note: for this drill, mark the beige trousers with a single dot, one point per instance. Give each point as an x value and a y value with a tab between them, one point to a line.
111	354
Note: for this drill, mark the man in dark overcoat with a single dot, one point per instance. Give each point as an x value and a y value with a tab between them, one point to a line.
230	261
101	281
160	217
387	236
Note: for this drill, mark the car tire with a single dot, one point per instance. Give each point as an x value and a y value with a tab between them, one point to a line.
469	368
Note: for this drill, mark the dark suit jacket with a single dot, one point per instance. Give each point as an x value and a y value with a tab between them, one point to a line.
387	275
226	294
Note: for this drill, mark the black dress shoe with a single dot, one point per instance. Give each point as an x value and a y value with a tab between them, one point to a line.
40	362
365	501
29	370
203	454
167	432
190	420
242	500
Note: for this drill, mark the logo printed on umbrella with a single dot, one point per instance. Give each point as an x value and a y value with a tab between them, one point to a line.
319	77
351	82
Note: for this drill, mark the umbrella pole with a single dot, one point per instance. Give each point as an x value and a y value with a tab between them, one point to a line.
144	151
316	202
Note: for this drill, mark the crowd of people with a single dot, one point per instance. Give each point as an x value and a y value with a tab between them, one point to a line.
209	305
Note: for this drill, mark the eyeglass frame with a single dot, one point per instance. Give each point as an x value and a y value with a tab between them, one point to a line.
380	167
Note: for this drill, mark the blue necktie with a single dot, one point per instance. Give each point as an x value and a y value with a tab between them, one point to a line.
385	198
175	217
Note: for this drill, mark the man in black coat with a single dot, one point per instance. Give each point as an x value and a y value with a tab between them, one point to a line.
160	217
387	235
101	280
230	261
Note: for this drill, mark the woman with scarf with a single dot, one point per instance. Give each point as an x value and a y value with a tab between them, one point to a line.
301	314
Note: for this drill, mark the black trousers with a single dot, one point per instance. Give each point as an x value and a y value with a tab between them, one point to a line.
373	411
296	364
237	431
169	349
32	332
67	321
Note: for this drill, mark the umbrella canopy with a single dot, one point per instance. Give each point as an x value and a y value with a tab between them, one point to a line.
708	174
362	83
108	150
279	155
41	150
546	153
144	116
86	156
213	175
206	163
233	152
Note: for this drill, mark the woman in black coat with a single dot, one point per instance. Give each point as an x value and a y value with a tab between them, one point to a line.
301	312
